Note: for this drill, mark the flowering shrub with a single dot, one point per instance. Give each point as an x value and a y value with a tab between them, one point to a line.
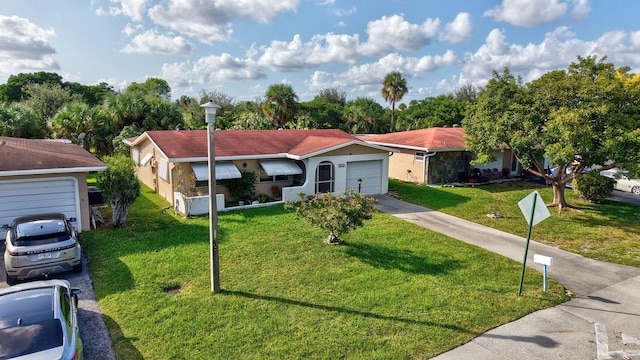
336	214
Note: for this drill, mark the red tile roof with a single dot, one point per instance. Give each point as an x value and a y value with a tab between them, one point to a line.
33	154
430	139
238	143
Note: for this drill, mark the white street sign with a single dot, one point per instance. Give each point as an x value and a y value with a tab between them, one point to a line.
540	212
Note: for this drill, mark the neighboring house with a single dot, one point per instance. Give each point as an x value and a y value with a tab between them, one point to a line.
43	176
285	162
437	156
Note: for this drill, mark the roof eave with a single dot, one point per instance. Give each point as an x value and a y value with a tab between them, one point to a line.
51	171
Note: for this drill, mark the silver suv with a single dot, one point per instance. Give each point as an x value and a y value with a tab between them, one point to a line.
39	246
38	320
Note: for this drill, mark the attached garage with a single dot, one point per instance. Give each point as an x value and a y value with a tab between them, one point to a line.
39	196
44	176
369	172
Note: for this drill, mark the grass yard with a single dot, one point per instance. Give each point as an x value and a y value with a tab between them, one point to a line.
392	291
608	232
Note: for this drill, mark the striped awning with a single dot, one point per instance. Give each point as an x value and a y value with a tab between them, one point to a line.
280	167
224	170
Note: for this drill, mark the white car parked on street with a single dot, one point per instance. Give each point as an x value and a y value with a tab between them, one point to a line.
623	182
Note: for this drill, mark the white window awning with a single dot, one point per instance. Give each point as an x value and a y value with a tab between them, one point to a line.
280	167
224	170
145	159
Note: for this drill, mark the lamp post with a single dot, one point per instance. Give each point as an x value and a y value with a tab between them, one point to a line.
210	118
359	185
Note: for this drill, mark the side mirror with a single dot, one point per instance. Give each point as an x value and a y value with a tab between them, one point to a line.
5	227
75	292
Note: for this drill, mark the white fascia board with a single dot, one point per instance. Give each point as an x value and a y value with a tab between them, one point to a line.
340	146
52	171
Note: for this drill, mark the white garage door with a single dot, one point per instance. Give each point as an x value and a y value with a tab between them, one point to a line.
369	171
38	196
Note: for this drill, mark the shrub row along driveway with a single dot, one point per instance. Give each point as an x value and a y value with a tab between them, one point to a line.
95	338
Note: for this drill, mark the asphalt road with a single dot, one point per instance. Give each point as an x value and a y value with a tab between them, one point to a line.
95	338
625	197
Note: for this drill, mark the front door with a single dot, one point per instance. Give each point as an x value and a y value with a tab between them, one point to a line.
324	177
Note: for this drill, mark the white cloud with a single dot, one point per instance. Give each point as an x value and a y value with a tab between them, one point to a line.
394	32
134	9
459	30
529	13
580	9
24	47
210	21
321	49
557	50
150	42
211	69
371	74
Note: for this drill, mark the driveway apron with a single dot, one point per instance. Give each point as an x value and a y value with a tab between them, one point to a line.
601	322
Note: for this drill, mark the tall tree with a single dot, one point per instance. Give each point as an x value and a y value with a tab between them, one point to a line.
120	186
394	87
280	104
156	86
576	118
46	100
363	116
13	90
18	120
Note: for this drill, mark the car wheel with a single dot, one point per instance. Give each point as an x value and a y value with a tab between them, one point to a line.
636	190
77	268
12	280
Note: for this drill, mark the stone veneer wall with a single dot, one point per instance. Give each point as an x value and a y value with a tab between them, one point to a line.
445	167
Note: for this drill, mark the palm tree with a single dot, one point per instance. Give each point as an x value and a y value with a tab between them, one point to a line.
281	104
393	89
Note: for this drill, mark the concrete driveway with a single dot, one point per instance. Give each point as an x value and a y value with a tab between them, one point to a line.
93	332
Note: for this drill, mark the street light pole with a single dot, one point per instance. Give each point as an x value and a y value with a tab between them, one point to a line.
210	118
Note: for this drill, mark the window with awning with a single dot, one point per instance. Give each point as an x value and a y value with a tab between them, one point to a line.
280	167
224	170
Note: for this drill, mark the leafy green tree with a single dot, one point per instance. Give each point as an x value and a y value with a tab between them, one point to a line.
364	116
129	131
578	118
18	120
443	110
14	89
318	114
93	95
248	115
332	96
336	214
280	105
225	114
394	87
192	113
46	100
155	86
73	119
119	185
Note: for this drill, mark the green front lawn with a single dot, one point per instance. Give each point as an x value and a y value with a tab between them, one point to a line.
392	291
607	232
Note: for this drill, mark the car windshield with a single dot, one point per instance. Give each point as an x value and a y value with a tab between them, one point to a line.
28	339
27	323
41	232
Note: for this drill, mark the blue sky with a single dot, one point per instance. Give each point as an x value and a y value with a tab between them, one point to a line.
240	47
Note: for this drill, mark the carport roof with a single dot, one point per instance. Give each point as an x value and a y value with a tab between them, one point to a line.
35	156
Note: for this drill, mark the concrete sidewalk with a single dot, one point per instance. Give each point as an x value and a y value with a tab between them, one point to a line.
601	322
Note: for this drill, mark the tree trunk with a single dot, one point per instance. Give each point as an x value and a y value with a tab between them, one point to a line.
558	196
